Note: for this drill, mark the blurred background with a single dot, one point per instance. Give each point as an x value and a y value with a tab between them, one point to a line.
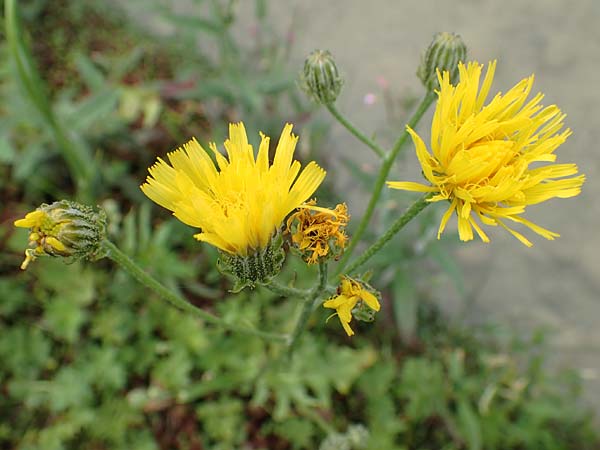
553	285
478	346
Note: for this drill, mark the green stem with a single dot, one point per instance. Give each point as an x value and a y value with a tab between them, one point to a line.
352	129
410	214
286	291
381	178
307	308
78	160
114	253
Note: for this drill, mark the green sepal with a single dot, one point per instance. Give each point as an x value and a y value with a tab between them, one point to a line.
362	311
259	267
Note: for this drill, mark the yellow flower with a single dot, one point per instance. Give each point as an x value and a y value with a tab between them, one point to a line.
240	202
317	231
350	293
485	159
63	228
41	236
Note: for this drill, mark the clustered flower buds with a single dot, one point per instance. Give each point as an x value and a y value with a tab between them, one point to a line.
320	78
65	229
443	54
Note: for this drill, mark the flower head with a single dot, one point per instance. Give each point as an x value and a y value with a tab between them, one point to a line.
488	160
240	202
317	232
63	228
353	297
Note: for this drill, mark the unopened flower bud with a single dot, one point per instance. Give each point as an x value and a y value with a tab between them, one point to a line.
255	268
320	78
443	54
64	228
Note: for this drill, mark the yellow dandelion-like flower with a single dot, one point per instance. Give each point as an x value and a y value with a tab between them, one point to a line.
318	231
351	298
485	159
240	202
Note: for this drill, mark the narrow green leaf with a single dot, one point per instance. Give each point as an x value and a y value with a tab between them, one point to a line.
122	65
89	72
7	151
93	110
468	422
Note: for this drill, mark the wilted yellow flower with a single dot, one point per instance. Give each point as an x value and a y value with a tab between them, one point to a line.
63	228
318	231
485	158
240	203
352	296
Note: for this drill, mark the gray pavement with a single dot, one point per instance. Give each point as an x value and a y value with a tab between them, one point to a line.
555	285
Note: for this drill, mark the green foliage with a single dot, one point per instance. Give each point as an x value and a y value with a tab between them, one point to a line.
114	366
311	378
470	393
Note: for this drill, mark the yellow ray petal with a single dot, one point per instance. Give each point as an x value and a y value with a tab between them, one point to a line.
240	202
411	186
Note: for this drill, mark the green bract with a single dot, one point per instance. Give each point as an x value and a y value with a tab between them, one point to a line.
443	54
320	78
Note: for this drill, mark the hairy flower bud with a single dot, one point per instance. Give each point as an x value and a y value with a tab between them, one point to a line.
443	54
258	267
320	78
65	229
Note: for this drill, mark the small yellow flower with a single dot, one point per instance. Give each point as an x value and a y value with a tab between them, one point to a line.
317	231
350	293
65	229
41	237
485	159
239	203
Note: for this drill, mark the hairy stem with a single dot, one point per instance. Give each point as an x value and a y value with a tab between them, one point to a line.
307	307
114	253
410	214
286	291
381	178
352	129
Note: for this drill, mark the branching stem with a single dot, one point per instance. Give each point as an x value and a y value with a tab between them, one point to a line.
381	178
114	253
